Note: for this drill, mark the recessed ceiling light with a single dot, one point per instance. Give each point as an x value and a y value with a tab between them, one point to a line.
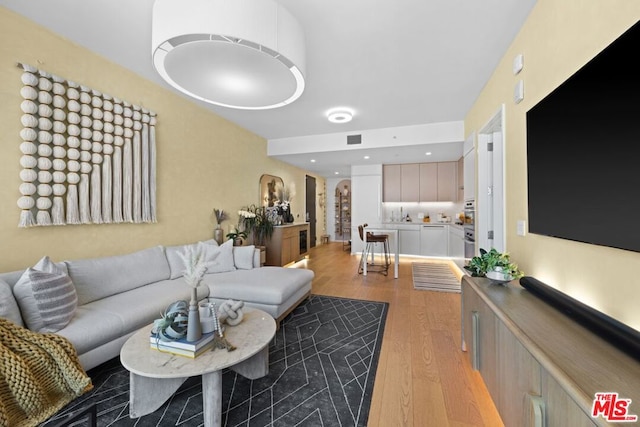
366	157
337	173
428	153
340	115
313	160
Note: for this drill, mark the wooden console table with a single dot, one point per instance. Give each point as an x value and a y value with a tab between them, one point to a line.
289	243
541	367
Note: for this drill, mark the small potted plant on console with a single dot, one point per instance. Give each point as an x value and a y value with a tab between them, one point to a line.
493	265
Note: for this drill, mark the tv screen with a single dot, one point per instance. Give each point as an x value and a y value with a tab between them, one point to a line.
583	152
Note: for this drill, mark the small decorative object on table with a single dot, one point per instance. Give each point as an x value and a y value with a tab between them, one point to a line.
231	312
494	265
195	267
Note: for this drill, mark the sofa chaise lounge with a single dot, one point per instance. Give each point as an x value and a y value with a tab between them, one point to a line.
98	303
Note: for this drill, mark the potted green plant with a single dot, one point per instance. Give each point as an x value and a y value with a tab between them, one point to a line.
494	265
255	220
237	237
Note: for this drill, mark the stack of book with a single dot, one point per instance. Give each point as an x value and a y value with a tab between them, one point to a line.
182	347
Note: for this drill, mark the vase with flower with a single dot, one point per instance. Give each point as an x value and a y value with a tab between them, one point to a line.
195	267
220	216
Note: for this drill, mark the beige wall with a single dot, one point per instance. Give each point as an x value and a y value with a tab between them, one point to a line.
203	161
558	38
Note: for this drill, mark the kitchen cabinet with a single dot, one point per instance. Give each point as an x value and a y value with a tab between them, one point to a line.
421	182
438	182
469	173
434	240
460	179
456	241
540	367
289	243
447	181
409	241
410	182
366	200
391	183
401	183
428	182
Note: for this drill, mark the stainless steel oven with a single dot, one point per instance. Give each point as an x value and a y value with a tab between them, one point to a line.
469	242
469	213
469	229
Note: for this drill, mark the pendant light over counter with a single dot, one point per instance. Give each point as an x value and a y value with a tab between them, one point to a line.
245	54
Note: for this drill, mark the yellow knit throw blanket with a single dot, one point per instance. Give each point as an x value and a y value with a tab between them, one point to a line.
39	374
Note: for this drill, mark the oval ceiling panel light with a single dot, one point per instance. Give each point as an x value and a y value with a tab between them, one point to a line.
340	115
245	54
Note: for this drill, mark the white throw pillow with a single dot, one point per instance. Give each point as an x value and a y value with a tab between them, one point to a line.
46	296
219	258
176	263
8	305
243	257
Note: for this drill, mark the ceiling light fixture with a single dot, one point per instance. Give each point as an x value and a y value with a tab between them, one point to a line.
313	160
428	153
245	54
367	157
340	115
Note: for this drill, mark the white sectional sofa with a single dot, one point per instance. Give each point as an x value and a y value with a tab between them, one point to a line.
117	295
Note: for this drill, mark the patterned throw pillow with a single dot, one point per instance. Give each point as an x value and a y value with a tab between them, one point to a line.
46	296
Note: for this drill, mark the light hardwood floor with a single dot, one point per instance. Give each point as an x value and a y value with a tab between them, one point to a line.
423	377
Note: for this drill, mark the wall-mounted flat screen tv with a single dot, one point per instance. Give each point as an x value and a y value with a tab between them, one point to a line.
583	152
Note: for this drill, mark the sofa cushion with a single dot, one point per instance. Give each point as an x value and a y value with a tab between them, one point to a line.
267	285
98	278
243	257
219	258
176	264
107	319
8	305
46	297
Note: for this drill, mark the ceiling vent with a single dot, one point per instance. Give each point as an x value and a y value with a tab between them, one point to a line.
354	139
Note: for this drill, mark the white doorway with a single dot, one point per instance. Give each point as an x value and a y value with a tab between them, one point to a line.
490	205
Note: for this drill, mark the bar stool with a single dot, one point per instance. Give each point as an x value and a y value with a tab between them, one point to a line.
372	241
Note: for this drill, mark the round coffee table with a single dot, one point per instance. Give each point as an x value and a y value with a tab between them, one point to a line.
155	376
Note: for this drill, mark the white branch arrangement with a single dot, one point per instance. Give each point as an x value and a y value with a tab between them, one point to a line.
194	263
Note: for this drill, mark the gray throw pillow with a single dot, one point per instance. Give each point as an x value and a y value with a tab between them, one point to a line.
46	296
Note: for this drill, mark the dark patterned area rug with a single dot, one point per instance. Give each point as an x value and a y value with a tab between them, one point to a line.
322	365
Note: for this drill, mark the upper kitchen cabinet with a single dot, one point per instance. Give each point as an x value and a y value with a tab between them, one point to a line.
410	182
461	179
428	182
391	184
439	182
447	181
401	183
420	182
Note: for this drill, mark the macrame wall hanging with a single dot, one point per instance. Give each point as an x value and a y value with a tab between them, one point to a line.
87	158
